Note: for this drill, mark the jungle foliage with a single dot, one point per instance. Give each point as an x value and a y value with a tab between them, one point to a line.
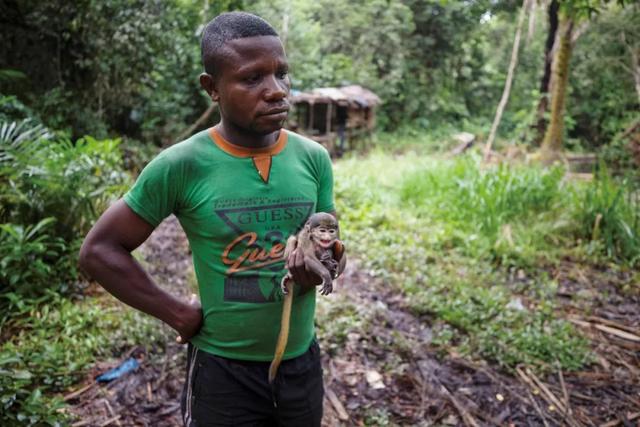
130	67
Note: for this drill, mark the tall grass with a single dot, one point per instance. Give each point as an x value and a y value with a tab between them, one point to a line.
609	213
506	212
483	199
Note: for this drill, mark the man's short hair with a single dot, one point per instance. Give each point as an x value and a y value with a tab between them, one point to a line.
226	27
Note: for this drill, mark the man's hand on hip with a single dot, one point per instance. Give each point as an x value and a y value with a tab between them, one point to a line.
191	321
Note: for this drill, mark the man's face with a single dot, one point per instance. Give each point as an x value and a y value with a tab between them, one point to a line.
252	84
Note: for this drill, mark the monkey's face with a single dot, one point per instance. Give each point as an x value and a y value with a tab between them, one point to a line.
324	235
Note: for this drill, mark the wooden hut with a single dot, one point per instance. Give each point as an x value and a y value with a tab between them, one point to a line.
334	117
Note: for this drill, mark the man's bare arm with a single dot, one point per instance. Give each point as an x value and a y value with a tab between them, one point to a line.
106	257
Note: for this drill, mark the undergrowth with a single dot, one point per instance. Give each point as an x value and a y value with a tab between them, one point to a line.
53	345
51	192
447	231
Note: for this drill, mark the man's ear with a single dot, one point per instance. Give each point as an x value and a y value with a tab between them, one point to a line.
208	83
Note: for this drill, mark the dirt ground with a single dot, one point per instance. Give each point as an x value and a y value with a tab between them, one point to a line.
391	373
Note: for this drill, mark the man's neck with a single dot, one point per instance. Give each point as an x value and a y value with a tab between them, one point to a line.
246	139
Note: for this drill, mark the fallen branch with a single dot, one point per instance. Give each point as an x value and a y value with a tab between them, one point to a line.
466	416
617	332
551	398
630	417
169	409
337	405
565	394
612	324
607	329
110	409
543	417
513	392
469	421
77	392
111	420
531	379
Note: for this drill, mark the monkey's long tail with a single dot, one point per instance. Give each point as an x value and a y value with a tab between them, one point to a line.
284	331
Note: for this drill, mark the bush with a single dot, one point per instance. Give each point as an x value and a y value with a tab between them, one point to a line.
29	256
69	181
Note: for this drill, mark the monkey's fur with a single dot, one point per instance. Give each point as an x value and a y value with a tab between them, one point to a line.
323	255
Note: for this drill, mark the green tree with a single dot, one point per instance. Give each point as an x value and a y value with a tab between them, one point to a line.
571	13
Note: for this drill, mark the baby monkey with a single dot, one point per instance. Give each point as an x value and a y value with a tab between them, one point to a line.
323	255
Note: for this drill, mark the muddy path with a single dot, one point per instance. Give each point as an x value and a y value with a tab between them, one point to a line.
388	372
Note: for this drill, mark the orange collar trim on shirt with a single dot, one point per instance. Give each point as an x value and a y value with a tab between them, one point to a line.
240	151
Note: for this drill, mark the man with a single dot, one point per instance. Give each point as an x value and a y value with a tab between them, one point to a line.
239	190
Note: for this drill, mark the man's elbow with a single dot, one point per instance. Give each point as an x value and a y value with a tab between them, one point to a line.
88	256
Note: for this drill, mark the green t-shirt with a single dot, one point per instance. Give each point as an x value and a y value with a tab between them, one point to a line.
237	208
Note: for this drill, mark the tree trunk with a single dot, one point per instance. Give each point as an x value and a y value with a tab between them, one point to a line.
635	68
507	86
552	144
543	104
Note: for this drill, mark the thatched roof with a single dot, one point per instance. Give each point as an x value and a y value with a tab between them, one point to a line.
353	95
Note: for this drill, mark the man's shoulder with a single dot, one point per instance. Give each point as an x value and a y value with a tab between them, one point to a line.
186	152
187	148
305	143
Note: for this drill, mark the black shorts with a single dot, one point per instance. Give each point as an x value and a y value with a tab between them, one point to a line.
226	392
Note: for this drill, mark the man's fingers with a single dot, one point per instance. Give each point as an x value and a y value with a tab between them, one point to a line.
193	301
299	259
289	260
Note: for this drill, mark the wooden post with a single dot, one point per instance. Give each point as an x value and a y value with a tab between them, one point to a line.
331	141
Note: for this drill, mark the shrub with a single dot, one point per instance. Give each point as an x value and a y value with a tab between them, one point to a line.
29	255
